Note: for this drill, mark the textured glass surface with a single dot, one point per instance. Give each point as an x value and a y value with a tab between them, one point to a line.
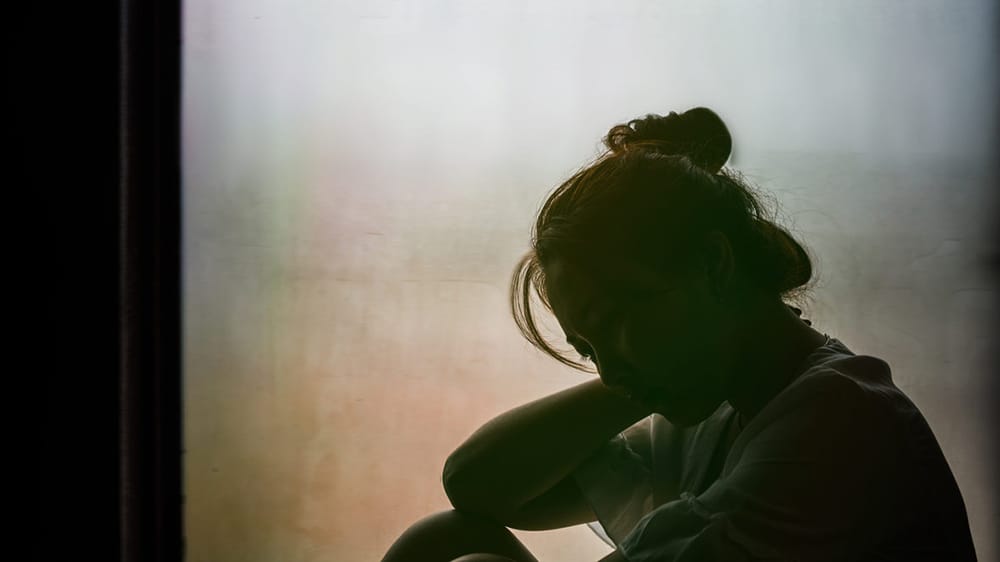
360	178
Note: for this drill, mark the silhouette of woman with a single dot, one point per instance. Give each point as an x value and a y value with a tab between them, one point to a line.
722	426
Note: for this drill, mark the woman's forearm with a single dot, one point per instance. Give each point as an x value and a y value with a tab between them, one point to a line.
521	453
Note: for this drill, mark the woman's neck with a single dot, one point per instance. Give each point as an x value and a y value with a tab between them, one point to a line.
775	343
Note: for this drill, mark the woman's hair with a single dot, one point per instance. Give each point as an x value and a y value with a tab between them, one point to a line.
649	197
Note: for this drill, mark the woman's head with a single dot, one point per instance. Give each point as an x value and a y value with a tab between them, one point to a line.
652	258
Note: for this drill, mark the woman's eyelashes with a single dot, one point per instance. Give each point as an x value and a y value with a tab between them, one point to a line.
615	337
586	355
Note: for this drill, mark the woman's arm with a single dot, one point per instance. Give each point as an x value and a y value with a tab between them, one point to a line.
521	454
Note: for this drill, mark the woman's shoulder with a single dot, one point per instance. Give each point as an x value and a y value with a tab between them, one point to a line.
839	378
867	372
846	419
838	393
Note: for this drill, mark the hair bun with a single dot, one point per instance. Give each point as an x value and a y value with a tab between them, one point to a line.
698	133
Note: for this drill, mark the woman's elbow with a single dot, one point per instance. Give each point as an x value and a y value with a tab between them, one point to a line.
450	482
455	481
468	493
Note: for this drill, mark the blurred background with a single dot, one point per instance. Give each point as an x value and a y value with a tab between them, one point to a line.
361	176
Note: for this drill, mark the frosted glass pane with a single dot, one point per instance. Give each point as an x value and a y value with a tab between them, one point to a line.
360	177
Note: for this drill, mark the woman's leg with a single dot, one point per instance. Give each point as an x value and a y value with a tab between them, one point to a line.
447	535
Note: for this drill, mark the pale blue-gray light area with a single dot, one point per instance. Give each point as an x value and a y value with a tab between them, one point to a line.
360	178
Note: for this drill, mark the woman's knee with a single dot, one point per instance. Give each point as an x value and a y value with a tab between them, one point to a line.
483	557
447	522
450	534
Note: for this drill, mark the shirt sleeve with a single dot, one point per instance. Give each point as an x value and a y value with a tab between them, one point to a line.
616	482
810	486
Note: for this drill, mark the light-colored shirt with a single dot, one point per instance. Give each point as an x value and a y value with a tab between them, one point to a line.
838	466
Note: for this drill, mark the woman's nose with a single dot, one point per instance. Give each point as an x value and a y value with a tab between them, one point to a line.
616	378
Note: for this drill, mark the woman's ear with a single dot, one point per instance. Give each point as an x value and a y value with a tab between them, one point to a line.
719	263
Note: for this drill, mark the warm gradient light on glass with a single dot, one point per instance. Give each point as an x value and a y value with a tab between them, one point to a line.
360	178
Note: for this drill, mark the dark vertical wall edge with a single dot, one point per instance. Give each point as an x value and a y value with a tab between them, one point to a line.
150	269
